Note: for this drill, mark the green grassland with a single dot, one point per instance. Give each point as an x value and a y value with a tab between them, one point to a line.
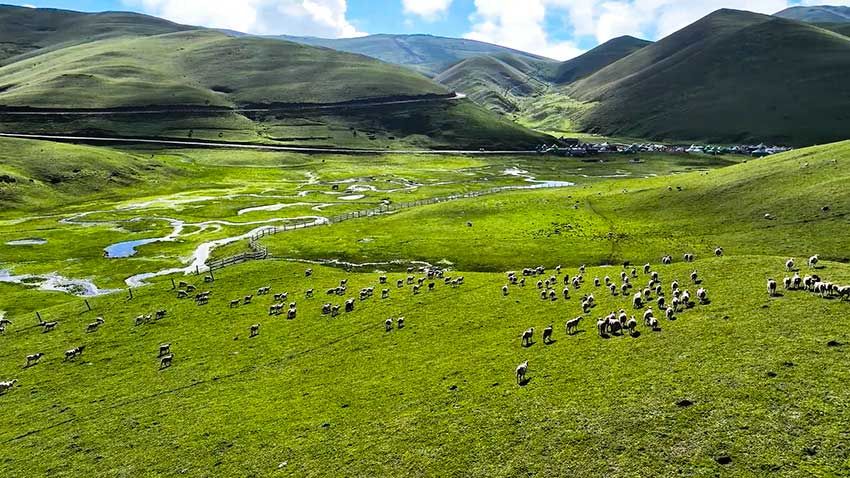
748	377
200	68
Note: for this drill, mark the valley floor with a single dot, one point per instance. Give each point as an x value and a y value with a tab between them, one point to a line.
745	385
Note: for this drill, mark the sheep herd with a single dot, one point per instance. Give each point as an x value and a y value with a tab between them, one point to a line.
811	283
618	322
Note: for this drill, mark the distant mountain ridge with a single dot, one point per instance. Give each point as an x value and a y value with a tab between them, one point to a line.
598	58
428	54
816	14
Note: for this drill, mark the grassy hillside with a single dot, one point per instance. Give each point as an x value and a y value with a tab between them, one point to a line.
817	14
746	385
842	28
27	31
491	82
201	68
731	77
598	58
428	54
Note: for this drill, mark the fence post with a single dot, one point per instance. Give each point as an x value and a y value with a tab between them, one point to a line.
88	306
130	290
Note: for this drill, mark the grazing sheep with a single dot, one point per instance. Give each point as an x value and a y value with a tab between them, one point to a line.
291	313
264	290
637	300
400	322
326	309
48	326
813	261
416	289
399	283
255	330
653	324
410	280
771	287
585	306
34	358
382	279
527	337
566	293
431	286
349	305
632	325
667	260
547	334
670	313
504	291
694	277
4	321
160	314
572	325
92	327
388	324
182	294
786	282
647	314
521	370
6	386
165	362
522	282
540	284
334	311
796	281
844	292
74	352
613	288
248	299
385	293
674	304
164	349
235	303
596	281
308	293
182	284
590	299
308	272
789	265
553	296
282	296
702	295
718	251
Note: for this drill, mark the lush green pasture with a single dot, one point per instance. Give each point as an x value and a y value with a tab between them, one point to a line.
315	396
756	379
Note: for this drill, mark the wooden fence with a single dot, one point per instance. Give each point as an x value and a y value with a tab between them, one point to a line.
259	252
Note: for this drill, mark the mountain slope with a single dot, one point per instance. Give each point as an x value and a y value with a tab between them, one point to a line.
816	14
598	58
27	30
428	54
201	68
491	81
731	77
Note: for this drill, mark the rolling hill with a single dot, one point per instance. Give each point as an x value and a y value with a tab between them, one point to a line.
598	58
27	30
492	81
732	77
816	14
428	54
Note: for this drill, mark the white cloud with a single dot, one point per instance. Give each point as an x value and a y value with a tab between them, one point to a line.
427	9
323	18
518	25
522	24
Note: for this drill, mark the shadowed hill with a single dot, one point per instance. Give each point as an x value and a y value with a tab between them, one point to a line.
491	81
731	77
27	30
598	58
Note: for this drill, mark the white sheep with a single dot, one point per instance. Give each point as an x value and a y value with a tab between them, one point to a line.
547	334
670	312
165	362
702	295
813	261
601	326
400	322
7	385
789	265
718	251
521	370
504	290
255	330
653	323
637	300
388	324
771	287
632	325
566	293
527	337
786	282
572	325
92	327
34	358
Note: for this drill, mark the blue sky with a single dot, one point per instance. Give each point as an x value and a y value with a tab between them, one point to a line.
559	29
